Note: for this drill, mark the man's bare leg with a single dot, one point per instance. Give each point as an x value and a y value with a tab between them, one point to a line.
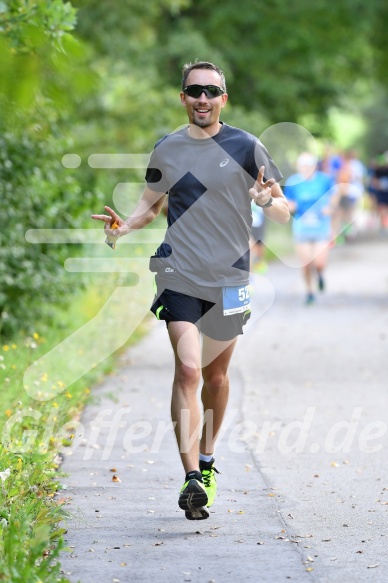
186	414
305	254
215	389
185	411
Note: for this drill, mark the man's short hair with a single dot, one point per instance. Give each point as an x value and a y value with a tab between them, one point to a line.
188	67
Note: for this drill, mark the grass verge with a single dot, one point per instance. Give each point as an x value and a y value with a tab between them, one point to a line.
46	378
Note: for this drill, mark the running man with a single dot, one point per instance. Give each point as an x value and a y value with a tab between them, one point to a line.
310	198
210	172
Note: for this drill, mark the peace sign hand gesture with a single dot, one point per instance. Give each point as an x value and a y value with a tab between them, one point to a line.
261	191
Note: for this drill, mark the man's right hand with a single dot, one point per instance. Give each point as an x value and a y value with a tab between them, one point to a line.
108	220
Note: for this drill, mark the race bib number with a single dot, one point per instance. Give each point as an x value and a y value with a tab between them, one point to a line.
235	300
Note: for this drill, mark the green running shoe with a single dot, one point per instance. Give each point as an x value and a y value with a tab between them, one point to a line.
193	498
208	472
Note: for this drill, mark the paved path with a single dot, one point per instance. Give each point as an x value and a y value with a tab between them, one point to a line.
302	494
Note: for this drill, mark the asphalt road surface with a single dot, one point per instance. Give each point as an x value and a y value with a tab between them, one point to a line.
303	493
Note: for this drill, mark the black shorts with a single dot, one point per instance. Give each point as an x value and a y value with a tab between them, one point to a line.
173	306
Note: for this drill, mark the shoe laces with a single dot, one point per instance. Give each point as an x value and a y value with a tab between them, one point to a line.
207	475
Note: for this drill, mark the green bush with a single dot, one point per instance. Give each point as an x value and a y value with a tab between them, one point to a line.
43	78
35	192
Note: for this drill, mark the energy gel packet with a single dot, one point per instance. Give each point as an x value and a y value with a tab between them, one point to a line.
111	241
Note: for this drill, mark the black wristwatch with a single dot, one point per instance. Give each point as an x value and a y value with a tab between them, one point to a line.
266	205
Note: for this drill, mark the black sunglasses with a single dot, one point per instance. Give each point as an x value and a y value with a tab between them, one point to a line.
210	91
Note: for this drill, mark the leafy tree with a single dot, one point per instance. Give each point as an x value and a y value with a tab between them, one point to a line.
125	30
42	79
283	59
376	117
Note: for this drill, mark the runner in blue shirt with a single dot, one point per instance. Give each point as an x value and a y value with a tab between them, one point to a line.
311	199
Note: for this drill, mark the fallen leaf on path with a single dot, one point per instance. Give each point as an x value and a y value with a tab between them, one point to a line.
115	478
373	566
113	470
63	500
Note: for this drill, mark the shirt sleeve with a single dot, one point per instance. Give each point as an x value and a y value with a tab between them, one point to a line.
263	158
155	175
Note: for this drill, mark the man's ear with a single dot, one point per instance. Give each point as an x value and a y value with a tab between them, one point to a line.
183	98
224	99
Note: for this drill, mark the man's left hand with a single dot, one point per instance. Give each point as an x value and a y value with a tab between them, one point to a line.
260	192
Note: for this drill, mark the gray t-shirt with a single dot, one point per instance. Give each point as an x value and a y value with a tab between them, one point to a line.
209	207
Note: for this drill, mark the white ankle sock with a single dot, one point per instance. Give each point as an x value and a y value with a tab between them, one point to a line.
205	458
